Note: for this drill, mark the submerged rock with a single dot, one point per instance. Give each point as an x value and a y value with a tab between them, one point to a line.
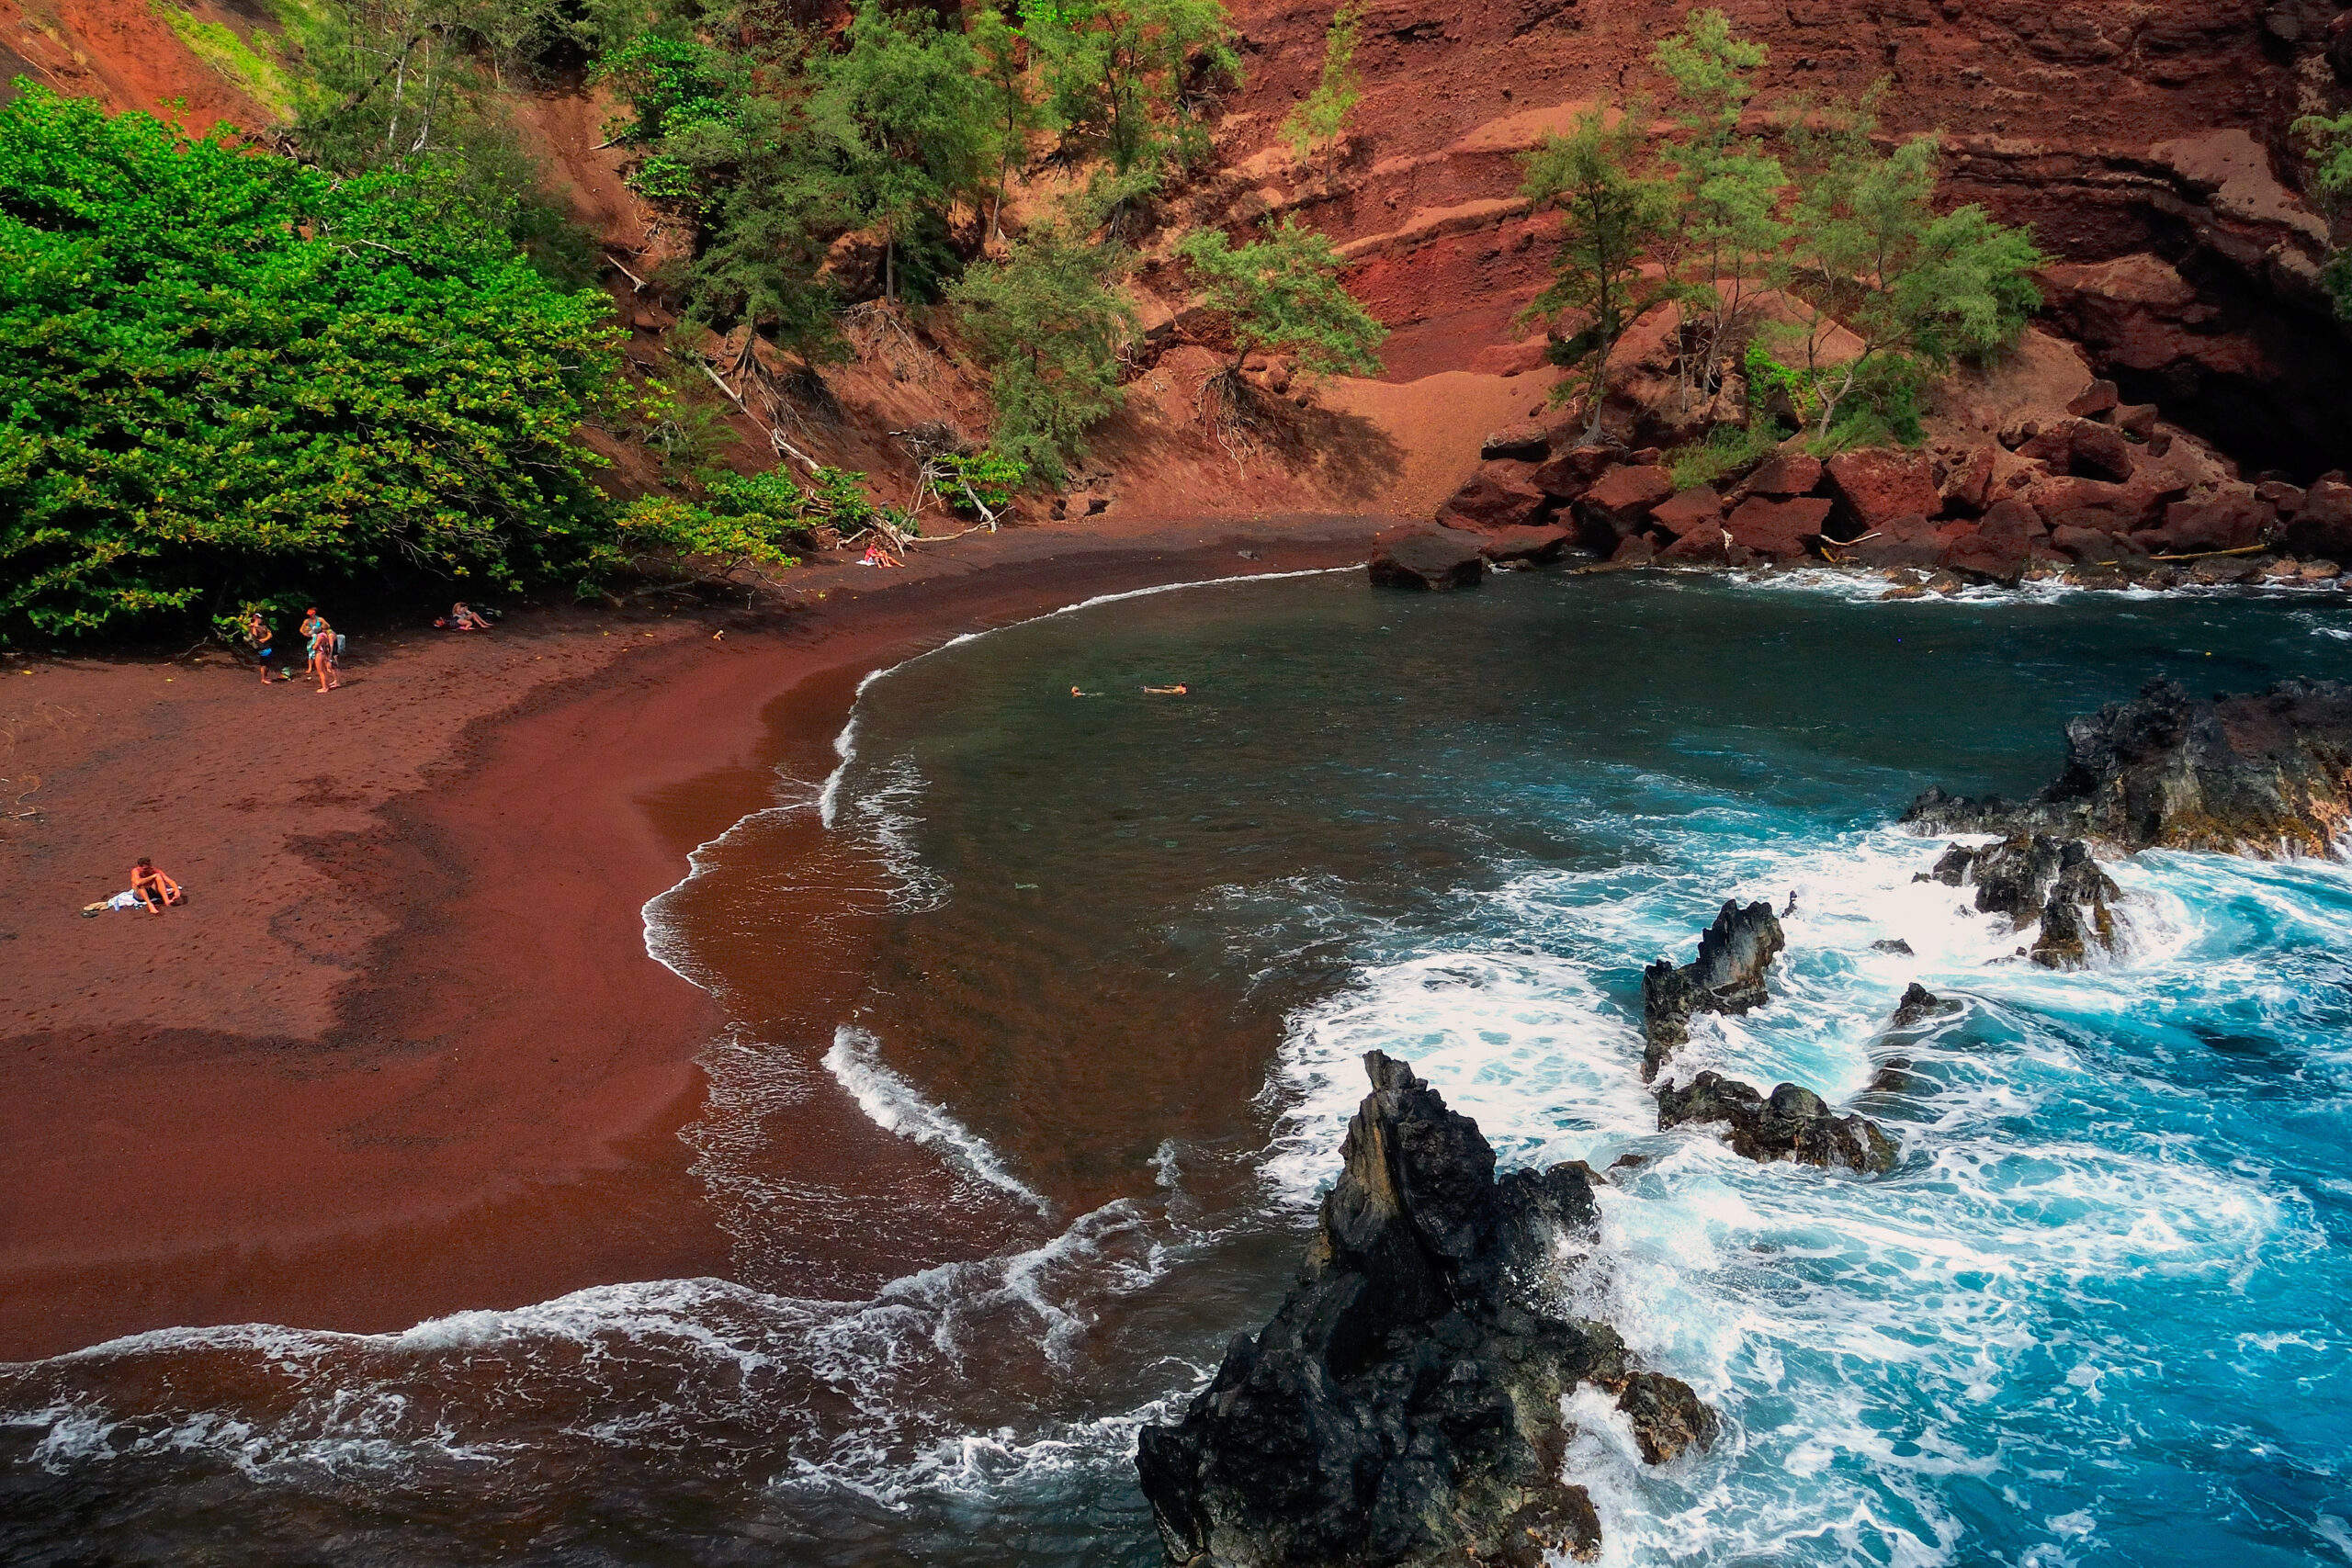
1728	977
2268	776
1795	1123
1918	1006
1404	1404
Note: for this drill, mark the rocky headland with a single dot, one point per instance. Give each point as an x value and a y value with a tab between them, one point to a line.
1405	1404
2034	470
2267	774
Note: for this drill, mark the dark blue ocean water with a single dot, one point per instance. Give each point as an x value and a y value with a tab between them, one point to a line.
1125	951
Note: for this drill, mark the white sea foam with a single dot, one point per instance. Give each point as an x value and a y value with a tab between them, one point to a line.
1849	1331
896	1106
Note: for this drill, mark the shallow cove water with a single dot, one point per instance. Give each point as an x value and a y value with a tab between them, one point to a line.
1114	959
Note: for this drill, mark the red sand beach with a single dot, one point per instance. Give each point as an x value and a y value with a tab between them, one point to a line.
404	1053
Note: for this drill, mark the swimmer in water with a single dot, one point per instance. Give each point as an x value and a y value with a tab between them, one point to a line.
1164	690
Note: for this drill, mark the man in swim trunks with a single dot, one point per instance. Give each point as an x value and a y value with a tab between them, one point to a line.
259	635
152	887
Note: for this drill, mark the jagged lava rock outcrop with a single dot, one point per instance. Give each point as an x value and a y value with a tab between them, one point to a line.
1404	1406
2268	776
1794	1124
2036	878
1728	977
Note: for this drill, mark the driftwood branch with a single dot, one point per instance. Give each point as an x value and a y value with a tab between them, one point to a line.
2212	555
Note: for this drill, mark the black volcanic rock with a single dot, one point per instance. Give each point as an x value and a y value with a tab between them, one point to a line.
1404	1404
2268	776
1728	977
1918	1006
2033	877
1795	1123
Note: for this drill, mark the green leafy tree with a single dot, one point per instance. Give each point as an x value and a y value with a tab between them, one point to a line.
1727	237
1131	81
776	197
407	85
743	522
902	111
220	369
1047	322
1282	293
2331	141
1317	120
1873	255
1013	114
671	85
1611	215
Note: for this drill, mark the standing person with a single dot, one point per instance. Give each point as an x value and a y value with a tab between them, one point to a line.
152	887
322	638
259	636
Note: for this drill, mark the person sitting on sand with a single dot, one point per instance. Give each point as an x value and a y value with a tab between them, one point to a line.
152	887
1165	691
876	556
461	619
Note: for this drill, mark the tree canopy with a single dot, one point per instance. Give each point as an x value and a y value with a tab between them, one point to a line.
1282	292
1048	322
219	368
1711	220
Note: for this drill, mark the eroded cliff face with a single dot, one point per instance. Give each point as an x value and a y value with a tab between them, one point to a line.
2147	144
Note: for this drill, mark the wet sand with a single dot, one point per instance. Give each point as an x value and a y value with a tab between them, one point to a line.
404	1053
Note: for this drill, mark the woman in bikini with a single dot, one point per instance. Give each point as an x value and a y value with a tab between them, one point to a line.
322	638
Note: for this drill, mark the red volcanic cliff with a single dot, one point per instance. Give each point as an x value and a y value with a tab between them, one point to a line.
2147	144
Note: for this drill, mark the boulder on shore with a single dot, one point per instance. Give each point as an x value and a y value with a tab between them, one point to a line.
1536	542
1428	558
1620	502
1404	1405
2268	776
1781	530
1872	487
1727	977
1794	1124
1497	496
1524	438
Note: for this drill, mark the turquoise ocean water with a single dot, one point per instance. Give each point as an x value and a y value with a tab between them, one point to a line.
1125	951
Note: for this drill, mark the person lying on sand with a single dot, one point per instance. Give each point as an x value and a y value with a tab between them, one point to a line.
152	887
461	619
1165	691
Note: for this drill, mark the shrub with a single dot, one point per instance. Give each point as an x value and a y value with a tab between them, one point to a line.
220	369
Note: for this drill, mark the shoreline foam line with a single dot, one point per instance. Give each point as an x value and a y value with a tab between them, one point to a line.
893	1104
845	743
